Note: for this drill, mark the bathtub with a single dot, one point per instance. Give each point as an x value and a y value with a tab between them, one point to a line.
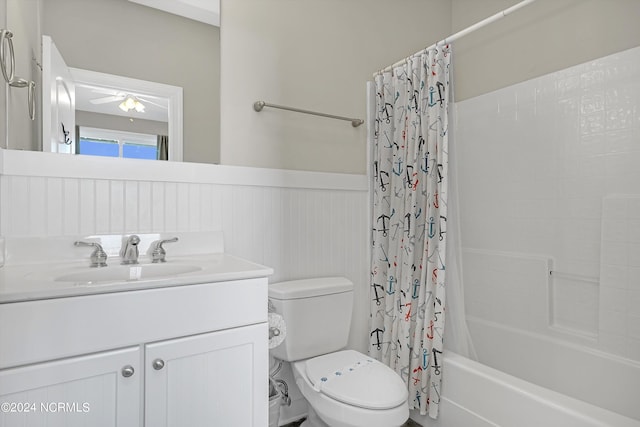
477	395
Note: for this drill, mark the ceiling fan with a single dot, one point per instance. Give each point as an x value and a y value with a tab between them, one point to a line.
127	101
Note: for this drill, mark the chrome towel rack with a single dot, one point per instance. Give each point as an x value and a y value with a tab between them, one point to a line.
259	105
574	277
6	38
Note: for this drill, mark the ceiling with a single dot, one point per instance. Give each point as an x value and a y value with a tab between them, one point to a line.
85	93
207	11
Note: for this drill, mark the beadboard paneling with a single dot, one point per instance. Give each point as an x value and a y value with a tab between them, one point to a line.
299	232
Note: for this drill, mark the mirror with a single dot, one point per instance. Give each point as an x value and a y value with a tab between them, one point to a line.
102	103
129	41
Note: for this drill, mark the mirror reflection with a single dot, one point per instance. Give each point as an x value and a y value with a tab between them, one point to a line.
123	117
121	39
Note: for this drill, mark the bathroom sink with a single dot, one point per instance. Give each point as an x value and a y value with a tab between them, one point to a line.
122	273
26	282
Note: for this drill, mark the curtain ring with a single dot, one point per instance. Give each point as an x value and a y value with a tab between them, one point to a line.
6	35
32	100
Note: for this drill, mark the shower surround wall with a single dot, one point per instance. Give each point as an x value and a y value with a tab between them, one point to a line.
549	181
301	224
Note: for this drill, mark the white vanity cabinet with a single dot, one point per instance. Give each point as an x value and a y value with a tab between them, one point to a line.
175	356
100	389
205	380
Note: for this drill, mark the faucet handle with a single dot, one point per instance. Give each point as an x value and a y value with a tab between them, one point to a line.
158	253
98	257
129	250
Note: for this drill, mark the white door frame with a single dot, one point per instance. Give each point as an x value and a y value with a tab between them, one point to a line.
127	84
58	101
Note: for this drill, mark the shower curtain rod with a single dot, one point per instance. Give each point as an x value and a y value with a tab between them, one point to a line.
259	105
462	33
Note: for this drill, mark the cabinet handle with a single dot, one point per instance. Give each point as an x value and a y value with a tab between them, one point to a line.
158	364
128	371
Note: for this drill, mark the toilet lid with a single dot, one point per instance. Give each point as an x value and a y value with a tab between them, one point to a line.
356	379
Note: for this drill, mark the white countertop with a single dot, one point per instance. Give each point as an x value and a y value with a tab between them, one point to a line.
30	282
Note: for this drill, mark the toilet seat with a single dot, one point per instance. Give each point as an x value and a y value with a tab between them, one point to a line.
328	399
356	379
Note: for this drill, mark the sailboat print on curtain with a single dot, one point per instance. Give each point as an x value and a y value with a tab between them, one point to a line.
410	162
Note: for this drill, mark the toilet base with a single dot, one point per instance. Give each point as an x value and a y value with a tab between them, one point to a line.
313	420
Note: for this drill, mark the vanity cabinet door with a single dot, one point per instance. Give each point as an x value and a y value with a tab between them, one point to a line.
97	390
213	379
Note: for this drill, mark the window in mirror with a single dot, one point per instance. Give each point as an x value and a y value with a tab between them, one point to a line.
98	147
109	143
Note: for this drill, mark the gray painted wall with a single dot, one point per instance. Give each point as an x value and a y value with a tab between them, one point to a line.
21	17
272	49
319	56
314	55
546	36
3	89
108	121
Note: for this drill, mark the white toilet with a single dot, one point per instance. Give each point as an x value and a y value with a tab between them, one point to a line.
343	388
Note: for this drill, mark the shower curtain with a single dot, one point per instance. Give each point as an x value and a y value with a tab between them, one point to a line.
410	201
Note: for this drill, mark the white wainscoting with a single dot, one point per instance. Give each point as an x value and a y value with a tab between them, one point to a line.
279	222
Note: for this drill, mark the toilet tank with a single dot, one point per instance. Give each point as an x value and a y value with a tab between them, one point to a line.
317	313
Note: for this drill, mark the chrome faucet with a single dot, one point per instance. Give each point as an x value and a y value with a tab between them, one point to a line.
158	253
98	257
129	250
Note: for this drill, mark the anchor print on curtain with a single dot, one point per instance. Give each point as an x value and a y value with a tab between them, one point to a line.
410	223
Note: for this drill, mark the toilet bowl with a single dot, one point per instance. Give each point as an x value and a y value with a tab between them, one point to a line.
343	388
350	389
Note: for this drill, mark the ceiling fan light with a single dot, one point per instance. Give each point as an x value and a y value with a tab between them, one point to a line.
139	106
130	103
